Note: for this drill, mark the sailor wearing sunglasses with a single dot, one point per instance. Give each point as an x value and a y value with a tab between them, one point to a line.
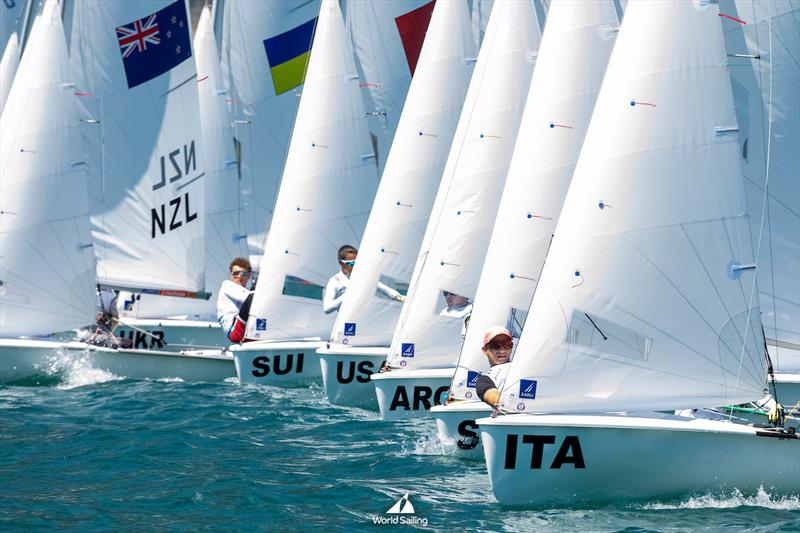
337	285
233	302
497	345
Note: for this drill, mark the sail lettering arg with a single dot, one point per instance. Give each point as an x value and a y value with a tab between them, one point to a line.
155	44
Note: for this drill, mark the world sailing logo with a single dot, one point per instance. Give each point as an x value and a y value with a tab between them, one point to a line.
402	512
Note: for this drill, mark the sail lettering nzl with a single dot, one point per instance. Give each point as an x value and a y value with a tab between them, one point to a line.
174	214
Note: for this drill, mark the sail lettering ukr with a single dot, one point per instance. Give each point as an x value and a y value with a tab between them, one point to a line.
137	79
412	175
46	266
327	190
430	329
647	298
576	45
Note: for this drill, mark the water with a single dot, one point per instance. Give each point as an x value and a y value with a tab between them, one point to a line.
98	453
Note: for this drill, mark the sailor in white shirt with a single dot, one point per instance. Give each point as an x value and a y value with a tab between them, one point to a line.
337	284
232	295
497	345
457	307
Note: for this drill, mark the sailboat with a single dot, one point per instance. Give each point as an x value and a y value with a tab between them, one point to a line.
429	332
764	61
365	322
192	323
139	85
576	44
46	262
328	186
265	49
647	300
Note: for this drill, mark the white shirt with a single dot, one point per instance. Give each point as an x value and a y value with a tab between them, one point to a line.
336	287
230	299
498	374
458	312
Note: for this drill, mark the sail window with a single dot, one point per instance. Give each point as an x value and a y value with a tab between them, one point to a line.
294	286
601	334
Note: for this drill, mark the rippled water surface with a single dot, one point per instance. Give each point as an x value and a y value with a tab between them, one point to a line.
97	453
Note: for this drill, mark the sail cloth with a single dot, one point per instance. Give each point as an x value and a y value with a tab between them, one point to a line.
46	266
11	20
576	46
429	333
387	37
139	84
8	68
641	303
763	44
264	54
409	183
327	190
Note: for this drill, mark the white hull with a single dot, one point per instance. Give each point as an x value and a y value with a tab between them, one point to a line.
27	359
172	335
543	459
210	366
411	393
346	372
457	426
288	363
788	390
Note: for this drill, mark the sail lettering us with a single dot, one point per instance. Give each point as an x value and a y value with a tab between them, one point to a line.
178	209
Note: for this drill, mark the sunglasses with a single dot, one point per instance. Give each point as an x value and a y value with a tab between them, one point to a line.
240	273
500	345
351	262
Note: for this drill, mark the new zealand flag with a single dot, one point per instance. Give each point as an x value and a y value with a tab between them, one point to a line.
154	44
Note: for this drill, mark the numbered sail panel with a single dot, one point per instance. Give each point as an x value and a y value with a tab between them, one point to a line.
412	175
139	85
46	268
570	66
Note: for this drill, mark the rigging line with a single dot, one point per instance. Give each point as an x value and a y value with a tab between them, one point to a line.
181	84
595	327
765	196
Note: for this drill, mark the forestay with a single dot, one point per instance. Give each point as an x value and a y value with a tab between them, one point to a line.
265	50
140	86
429	332
763	43
46	264
387	37
646	298
576	46
328	187
409	183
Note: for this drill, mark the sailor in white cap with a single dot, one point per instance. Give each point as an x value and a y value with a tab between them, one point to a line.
497	345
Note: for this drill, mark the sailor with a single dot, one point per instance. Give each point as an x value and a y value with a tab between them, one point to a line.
337	284
497	345
457	307
233	302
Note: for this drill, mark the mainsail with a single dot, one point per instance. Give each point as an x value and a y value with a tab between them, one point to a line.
409	183
646	300
428	333
576	46
328	187
138	82
46	264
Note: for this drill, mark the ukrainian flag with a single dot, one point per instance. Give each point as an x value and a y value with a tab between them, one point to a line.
288	53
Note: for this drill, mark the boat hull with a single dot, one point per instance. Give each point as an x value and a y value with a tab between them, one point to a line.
457	427
290	363
172	335
33	361
202	366
405	394
536	460
346	374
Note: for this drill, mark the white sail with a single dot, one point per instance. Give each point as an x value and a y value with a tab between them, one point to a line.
428	333
140	86
328	187
387	37
8	68
576	46
763	43
646	300
46	265
409	183
264	48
